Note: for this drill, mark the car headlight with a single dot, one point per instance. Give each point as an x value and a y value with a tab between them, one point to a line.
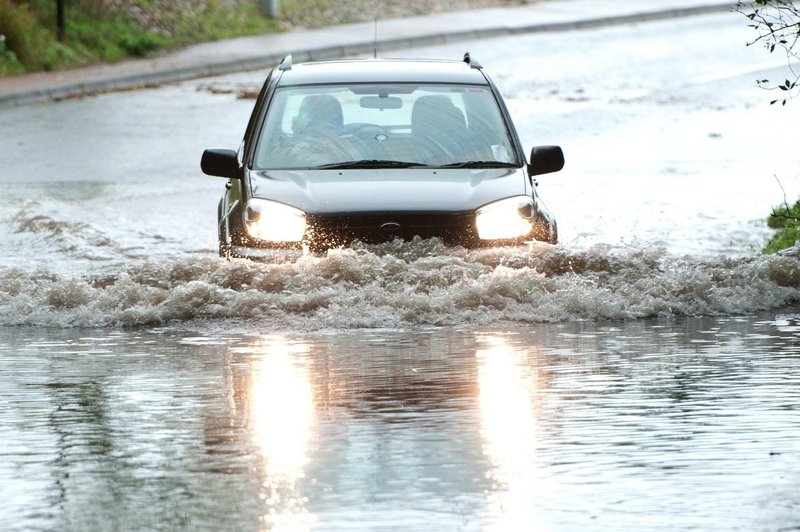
273	221
505	219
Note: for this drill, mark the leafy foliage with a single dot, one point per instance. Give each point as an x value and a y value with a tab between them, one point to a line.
784	216
9	64
786	219
111	38
777	27
24	38
96	33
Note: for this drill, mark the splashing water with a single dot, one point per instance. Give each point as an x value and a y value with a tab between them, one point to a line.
406	284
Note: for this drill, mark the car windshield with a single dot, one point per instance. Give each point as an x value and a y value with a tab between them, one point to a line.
384	126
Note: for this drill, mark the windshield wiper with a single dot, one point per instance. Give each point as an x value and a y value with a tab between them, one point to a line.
367	163
480	164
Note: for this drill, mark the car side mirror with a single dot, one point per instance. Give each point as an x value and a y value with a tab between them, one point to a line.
220	162
545	160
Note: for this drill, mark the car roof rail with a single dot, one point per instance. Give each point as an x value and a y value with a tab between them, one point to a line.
286	64
471	61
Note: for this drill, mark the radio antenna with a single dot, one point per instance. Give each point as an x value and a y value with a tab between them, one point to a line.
375	47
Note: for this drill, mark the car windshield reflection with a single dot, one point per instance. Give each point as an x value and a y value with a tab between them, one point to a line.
384	126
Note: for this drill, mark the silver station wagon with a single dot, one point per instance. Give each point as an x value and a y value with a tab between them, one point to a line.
378	149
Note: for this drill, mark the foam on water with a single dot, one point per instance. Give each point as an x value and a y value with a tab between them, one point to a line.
405	284
79	237
46	219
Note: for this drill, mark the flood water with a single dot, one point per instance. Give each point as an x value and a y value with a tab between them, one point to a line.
668	424
641	375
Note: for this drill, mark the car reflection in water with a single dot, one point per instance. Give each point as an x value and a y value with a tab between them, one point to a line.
273	407
566	426
509	428
283	417
450	422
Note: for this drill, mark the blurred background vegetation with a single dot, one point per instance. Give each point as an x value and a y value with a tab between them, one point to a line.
109	30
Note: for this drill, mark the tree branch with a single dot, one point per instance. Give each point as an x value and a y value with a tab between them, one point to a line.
777	25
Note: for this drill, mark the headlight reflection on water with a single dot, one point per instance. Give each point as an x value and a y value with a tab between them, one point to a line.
282	414
509	430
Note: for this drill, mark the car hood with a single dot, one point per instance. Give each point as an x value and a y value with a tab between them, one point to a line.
330	191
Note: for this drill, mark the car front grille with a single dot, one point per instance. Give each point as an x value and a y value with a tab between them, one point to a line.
330	230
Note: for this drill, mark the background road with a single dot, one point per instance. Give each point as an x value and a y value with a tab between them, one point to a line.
668	142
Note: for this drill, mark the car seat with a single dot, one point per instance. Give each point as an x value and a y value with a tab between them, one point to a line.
318	111
439	125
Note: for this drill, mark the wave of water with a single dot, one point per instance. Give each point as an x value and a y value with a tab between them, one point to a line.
404	284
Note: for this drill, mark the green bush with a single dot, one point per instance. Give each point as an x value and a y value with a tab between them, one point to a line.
787	220
94	33
222	23
23	34
139	44
111	38
785	238
58	55
784	216
9	64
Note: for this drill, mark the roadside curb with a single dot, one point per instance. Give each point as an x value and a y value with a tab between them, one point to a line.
55	86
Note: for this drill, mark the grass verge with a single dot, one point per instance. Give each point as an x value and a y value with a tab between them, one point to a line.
29	41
